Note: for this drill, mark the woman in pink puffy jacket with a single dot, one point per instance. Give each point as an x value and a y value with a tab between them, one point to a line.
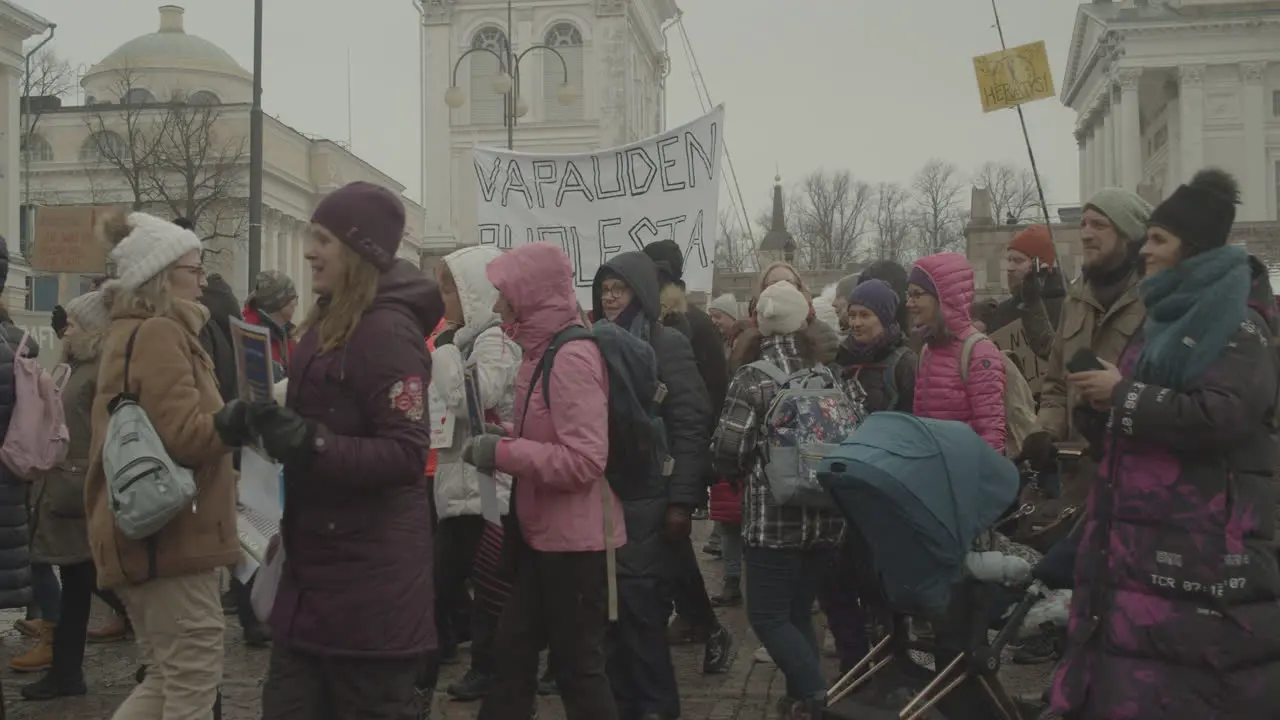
939	298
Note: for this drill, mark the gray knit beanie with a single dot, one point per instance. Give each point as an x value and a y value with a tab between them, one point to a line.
727	304
1126	210
272	291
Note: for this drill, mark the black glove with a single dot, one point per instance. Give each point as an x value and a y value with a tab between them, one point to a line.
446	337
1032	290
232	423
286	435
1038	450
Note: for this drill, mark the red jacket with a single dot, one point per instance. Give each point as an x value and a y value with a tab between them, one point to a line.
431	347
726	503
281	348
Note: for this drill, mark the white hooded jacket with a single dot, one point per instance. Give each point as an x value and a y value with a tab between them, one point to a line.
497	358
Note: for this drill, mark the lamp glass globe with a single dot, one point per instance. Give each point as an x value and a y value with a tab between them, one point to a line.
566	94
502	83
454	97
522	108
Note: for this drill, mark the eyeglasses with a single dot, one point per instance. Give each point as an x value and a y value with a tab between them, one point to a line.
614	290
916	294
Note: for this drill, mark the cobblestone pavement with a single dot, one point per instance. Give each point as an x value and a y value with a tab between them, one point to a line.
748	691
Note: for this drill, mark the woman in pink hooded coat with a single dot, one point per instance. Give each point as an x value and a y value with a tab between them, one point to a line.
939	297
565	514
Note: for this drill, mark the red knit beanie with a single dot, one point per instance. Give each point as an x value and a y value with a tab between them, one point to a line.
1035	242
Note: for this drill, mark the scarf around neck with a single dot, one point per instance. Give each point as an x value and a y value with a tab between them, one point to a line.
862	352
1193	311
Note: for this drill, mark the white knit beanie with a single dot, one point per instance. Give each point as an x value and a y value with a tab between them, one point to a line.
781	310
89	311
151	246
727	304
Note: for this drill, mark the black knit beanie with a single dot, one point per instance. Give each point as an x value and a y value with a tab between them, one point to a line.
667	256
1201	212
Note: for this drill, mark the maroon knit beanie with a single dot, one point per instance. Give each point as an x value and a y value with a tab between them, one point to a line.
365	217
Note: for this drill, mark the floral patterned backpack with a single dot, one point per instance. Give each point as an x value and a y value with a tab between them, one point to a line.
811	414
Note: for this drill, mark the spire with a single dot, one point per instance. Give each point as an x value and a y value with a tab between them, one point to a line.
778	240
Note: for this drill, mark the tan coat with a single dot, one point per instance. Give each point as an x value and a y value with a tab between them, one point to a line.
1084	324
59	535
173	379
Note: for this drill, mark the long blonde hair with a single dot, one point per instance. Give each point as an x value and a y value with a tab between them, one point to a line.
336	317
80	344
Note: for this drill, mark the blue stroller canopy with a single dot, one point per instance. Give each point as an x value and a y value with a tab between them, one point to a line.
919	492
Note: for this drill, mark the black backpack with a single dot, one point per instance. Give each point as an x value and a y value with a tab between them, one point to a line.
637	435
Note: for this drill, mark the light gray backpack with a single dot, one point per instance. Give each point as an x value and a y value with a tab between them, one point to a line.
146	487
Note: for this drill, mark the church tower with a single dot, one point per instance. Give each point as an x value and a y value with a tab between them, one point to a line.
614	60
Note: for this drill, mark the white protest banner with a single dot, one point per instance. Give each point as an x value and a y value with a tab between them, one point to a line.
598	205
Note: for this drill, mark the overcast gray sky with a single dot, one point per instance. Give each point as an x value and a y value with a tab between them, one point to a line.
875	86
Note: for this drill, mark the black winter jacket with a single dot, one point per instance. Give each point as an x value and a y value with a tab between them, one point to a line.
15	537
686	412
215	336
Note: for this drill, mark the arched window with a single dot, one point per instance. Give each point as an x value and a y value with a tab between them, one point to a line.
37	149
203	97
104	146
138	96
567	39
486	105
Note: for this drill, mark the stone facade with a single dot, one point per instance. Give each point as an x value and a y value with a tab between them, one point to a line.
616	56
298	169
1163	91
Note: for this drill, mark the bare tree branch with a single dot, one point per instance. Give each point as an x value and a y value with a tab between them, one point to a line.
126	137
199	168
893	222
179	157
832	214
49	76
938	211
734	252
1014	197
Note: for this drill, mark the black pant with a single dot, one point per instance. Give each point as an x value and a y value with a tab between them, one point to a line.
243	594
456	541
308	687
688	588
560	600
79	582
639	658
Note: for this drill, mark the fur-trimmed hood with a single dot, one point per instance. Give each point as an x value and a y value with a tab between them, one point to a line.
822	342
672	300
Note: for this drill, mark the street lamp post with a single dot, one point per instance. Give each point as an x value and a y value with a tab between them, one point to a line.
255	151
507	81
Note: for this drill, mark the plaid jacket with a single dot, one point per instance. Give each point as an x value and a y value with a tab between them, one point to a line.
764	522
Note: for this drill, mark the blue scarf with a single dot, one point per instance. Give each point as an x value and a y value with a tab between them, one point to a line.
1193	311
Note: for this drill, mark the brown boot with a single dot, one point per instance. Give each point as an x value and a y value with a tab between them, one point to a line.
39	657
29	628
116	629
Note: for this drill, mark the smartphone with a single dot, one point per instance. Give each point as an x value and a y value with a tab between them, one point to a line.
1036	266
1083	361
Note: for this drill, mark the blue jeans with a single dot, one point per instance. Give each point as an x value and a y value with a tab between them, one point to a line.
46	592
730	548
781	588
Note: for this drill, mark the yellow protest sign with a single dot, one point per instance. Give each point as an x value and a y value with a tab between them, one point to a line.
1014	76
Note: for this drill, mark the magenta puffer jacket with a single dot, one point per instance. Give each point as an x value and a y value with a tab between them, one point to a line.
941	394
726	503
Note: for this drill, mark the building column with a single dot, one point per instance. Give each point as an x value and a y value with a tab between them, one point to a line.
1082	144
1130	131
1108	143
284	244
439	52
1253	111
11	182
1191	108
268	258
1173	152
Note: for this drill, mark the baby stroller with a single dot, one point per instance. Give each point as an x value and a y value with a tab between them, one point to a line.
919	496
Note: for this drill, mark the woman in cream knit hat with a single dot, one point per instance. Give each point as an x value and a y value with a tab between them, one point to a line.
168	582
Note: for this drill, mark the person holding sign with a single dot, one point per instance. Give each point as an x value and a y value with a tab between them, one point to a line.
352	623
1037	291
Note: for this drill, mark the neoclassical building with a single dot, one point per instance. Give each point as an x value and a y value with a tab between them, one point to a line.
616	57
17	25
134	88
1165	88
